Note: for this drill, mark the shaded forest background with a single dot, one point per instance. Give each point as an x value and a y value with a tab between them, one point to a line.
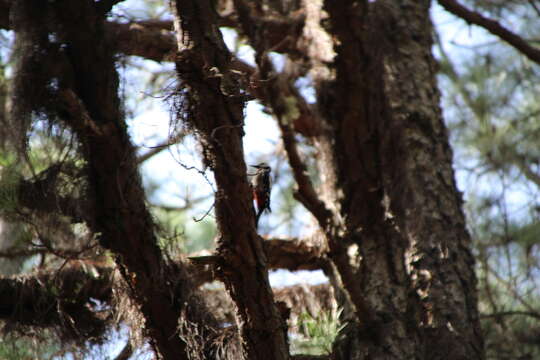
63	294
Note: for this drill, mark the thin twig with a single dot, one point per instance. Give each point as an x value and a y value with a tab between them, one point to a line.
205	214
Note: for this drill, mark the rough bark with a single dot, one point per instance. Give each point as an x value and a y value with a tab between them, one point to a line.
353	104
393	185
215	110
428	206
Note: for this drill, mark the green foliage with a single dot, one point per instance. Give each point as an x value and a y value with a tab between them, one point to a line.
317	333
13	351
492	109
23	348
501	343
200	235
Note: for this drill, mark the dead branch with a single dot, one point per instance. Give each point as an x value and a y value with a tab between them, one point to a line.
84	299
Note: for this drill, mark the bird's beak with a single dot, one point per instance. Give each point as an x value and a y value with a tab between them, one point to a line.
255	166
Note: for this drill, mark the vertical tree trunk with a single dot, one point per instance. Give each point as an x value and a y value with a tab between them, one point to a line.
69	60
424	196
390	181
213	104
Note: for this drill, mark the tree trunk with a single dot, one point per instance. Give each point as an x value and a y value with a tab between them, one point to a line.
211	102
66	46
390	180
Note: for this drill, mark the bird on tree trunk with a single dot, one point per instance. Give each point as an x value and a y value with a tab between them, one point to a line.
261	185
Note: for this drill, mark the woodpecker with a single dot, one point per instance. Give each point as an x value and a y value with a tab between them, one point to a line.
261	186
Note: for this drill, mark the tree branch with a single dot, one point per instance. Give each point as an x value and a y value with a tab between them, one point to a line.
523	165
305	193
77	302
493	27
289	254
126	352
533	314
514	157
47	299
143	39
299	299
175	139
60	299
292	255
